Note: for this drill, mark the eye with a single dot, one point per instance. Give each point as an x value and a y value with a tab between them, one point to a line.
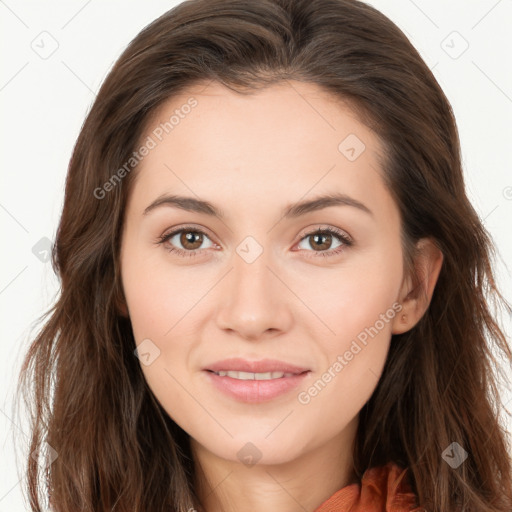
190	238
322	237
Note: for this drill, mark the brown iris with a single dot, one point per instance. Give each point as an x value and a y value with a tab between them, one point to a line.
191	237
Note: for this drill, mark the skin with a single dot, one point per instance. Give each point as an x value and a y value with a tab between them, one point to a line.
252	156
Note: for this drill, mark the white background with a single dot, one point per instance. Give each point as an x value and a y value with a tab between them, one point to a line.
44	102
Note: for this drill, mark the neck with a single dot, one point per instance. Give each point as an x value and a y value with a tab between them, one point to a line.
298	484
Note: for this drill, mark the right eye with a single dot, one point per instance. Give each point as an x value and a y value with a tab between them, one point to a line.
188	235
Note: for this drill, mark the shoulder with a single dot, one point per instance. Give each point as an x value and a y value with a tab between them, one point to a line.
382	489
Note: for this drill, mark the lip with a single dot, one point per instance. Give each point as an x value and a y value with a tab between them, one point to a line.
261	366
255	391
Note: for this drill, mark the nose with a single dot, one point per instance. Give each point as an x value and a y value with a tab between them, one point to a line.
254	301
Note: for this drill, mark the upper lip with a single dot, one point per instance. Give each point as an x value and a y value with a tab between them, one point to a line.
261	366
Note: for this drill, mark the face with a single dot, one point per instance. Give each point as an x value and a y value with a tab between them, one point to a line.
262	279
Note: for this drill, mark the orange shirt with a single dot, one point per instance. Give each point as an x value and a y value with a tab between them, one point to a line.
382	489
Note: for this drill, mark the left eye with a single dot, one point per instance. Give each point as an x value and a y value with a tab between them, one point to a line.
328	234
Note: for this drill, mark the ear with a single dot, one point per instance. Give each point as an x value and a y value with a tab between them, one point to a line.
120	302
415	300
122	309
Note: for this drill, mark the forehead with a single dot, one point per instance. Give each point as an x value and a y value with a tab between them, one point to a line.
291	137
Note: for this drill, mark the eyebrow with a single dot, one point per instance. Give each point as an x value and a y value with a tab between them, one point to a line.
191	204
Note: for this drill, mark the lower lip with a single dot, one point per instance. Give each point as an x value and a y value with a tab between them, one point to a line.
255	391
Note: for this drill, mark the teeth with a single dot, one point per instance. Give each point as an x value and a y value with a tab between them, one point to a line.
254	376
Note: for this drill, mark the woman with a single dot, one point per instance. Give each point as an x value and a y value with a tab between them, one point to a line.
274	287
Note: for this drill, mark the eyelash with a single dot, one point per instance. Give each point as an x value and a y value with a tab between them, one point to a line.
347	242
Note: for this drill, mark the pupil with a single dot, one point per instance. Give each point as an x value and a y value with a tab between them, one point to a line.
189	237
317	237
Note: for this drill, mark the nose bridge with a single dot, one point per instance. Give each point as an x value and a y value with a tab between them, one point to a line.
254	299
251	274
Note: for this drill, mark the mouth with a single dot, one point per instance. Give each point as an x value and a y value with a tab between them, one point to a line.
255	376
253	388
261	368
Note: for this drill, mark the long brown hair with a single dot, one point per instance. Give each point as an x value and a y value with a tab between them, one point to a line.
117	448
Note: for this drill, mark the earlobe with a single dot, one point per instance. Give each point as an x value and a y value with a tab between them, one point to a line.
415	300
401	324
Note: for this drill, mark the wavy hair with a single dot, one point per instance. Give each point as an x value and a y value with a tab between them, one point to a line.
117	448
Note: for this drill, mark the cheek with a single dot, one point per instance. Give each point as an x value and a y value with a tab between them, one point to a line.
354	358
353	296
162	301
357	306
157	300
157	293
